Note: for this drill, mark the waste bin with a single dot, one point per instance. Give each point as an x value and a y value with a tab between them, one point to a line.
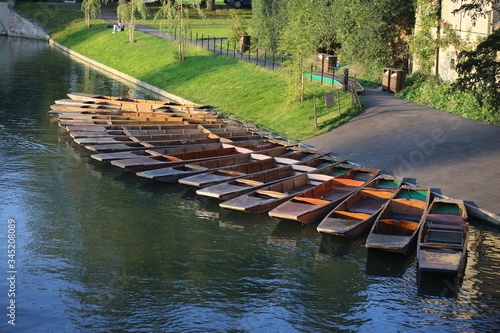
327	62
386	78
397	80
244	43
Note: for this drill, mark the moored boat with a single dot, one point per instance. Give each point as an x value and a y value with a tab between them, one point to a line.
269	197
173	174
248	183
316	202
184	148
238	171
357	213
145	163
443	237
397	226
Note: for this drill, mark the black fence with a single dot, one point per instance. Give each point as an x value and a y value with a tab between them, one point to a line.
322	69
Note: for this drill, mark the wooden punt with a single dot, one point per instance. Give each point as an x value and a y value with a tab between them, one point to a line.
316	202
173	174
135	116
166	135
158	151
57	110
139	121
122	100
131	106
248	183
358	212
88	128
269	197
123	132
141	164
397	226
126	146
238	171
443	237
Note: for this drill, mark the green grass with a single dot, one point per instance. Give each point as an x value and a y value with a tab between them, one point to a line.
237	89
213	24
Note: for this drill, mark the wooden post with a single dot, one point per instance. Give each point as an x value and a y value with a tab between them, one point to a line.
315	117
338	100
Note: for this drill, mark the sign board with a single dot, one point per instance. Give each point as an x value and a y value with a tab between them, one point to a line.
329	99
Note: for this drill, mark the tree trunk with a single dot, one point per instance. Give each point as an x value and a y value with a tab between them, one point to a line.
211	5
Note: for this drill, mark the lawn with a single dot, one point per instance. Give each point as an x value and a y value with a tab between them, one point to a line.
235	88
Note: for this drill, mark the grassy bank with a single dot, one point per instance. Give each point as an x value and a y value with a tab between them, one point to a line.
234	88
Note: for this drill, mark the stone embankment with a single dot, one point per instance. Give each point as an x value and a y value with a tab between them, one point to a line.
15	24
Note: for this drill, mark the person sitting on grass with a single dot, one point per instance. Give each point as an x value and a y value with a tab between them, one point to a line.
118	27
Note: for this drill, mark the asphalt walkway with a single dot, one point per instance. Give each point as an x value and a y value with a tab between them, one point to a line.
457	157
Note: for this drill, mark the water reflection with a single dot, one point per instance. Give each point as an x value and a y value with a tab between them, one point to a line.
341	246
383	263
288	233
442	285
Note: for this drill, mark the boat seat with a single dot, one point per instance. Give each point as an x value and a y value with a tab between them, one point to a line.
232	173
357	216
458	227
273	194
249	182
195	167
404	216
442	246
444	237
312	201
443	218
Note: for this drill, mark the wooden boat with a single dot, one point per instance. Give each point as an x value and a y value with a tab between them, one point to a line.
140	145
139	121
124	132
270	197
158	151
358	212
141	164
173	174
90	128
176	107
316	202
238	171
443	237
122	100
397	226
248	183
172	117
167	135
109	145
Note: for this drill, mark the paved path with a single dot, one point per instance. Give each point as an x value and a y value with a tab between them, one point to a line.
458	157
437	149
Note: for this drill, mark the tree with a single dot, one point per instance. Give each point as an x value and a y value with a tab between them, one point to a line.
211	5
269	17
127	12
91	8
298	42
177	15
373	34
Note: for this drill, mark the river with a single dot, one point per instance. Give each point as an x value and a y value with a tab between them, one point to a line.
98	249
